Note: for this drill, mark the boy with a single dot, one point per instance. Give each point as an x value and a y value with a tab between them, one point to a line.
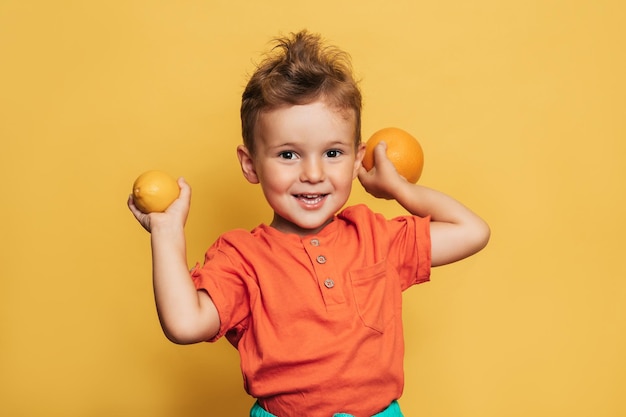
312	301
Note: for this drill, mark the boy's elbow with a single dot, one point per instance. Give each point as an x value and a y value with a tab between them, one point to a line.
453	243
482	234
186	334
486	233
179	338
475	237
185	326
186	338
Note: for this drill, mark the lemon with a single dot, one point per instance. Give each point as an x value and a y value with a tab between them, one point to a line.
154	191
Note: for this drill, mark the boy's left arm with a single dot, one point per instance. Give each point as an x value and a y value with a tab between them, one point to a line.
456	232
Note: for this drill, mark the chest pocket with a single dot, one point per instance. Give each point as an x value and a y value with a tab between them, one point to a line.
373	302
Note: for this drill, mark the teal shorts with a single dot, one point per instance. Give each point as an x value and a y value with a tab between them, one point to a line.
392	411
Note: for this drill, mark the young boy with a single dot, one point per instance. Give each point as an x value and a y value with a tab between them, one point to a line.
311	301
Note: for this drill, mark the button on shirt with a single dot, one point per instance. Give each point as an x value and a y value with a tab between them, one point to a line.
319	314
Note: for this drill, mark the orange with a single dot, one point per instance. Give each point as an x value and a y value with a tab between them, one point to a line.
403	150
154	191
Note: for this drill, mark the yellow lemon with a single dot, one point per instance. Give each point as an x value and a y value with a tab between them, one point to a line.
403	150
154	191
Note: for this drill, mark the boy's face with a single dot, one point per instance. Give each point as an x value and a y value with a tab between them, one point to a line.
305	161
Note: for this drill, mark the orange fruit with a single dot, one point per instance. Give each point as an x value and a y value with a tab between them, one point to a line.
154	191
403	150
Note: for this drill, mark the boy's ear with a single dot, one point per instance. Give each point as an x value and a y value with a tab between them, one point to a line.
360	153
247	164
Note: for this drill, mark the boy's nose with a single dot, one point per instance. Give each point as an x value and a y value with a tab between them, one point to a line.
312	171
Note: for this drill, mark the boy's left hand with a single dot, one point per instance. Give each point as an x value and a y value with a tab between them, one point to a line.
383	180
176	213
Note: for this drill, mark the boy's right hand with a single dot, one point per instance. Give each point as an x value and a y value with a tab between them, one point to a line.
383	180
175	214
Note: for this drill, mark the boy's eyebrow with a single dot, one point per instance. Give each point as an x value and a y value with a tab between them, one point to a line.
284	145
338	142
347	142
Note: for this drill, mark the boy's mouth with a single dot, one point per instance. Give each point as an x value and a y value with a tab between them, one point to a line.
310	199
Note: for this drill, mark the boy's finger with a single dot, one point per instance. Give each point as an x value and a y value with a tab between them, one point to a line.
380	152
185	189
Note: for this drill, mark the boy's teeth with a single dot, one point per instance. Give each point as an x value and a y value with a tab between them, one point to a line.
310	198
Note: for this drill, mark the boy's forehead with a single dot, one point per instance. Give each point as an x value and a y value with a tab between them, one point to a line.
292	114
311	120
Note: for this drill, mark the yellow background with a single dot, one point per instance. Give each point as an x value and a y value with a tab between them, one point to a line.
520	107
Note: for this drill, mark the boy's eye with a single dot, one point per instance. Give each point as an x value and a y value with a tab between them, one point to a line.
333	153
287	155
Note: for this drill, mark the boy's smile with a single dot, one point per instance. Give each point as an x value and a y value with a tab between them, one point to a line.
305	160
311	201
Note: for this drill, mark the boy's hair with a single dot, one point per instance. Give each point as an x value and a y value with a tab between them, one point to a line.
301	70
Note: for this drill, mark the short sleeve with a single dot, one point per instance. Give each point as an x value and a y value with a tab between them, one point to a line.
223	277
410	248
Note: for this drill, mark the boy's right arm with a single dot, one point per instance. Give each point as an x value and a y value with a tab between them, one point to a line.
186	314
455	231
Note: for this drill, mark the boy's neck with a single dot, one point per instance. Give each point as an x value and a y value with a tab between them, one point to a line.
284	226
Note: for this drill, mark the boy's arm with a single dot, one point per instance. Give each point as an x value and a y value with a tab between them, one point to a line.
456	232
186	314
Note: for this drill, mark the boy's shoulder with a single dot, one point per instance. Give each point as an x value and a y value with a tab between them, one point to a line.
362	217
235	235
235	245
260	234
360	213
355	210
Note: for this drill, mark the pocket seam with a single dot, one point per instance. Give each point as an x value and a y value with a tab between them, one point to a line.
359	279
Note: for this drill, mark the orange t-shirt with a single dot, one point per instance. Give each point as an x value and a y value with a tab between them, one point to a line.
317	319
